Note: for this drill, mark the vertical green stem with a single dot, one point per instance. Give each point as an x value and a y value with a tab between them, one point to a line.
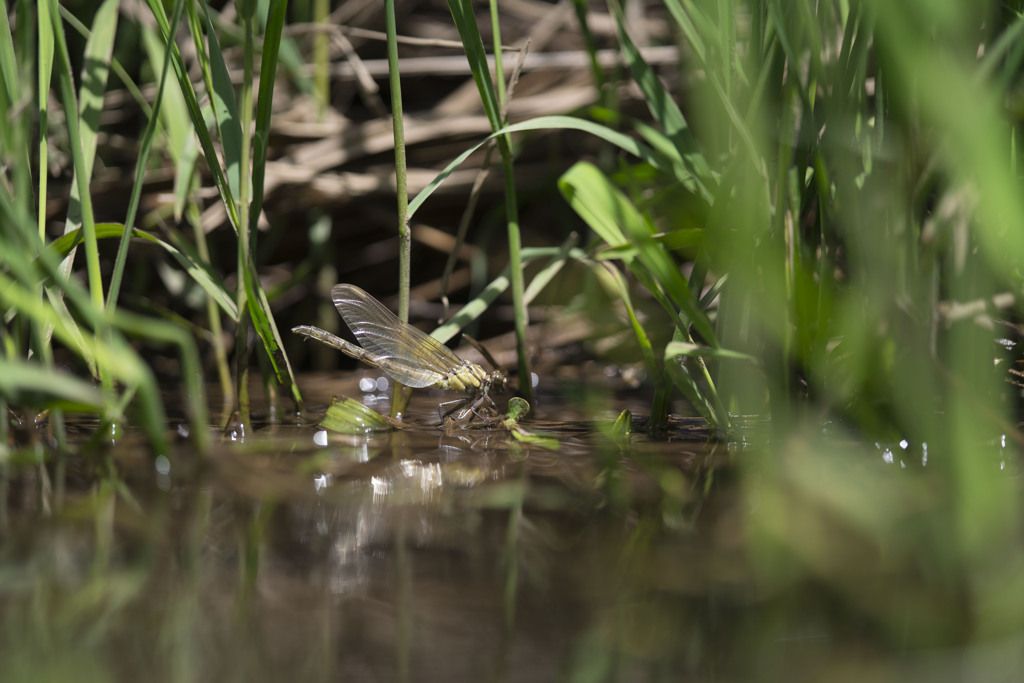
321	57
404	237
515	266
45	72
400	397
499	67
212	311
512	216
245	247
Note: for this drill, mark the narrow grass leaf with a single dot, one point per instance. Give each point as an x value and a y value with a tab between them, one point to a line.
475	308
44	69
201	273
675	349
266	328
174	115
264	104
623	142
113	354
476	54
225	110
69	102
195	113
662	104
95	71
27	383
548	272
140	170
687	20
8	61
15	136
607	210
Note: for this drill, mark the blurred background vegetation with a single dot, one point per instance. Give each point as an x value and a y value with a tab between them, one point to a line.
794	220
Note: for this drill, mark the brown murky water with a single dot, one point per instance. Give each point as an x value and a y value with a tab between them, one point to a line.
427	556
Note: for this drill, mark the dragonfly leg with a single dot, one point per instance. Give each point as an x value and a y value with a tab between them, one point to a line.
482	407
457	403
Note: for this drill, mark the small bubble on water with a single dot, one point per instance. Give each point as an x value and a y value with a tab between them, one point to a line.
320	438
163	465
382	384
366	385
321	481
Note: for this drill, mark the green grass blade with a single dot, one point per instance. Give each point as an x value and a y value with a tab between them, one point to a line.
465	22
495	288
687	20
189	260
140	170
8	61
27	383
675	349
225	110
113	354
96	68
264	103
174	116
15	129
661	103
606	210
66	82
44	70
476	54
623	142
194	111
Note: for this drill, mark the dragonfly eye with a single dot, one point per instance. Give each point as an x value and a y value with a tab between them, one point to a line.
498	382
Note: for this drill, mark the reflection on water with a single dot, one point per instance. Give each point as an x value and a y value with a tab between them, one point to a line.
421	555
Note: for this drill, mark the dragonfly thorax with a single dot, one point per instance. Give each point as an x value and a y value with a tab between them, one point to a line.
468	377
471	378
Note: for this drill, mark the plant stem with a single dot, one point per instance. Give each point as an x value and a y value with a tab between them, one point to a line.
400	397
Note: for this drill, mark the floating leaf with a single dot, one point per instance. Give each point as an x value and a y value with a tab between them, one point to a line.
349	416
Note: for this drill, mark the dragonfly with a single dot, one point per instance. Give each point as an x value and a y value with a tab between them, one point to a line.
404	353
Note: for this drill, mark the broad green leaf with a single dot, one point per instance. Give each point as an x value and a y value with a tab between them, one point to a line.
616	220
349	416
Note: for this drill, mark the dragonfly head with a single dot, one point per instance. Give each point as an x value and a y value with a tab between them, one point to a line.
496	382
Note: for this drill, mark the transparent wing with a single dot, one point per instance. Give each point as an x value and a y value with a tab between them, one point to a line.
407	354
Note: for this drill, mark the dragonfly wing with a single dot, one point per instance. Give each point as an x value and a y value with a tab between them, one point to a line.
413	376
401	348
